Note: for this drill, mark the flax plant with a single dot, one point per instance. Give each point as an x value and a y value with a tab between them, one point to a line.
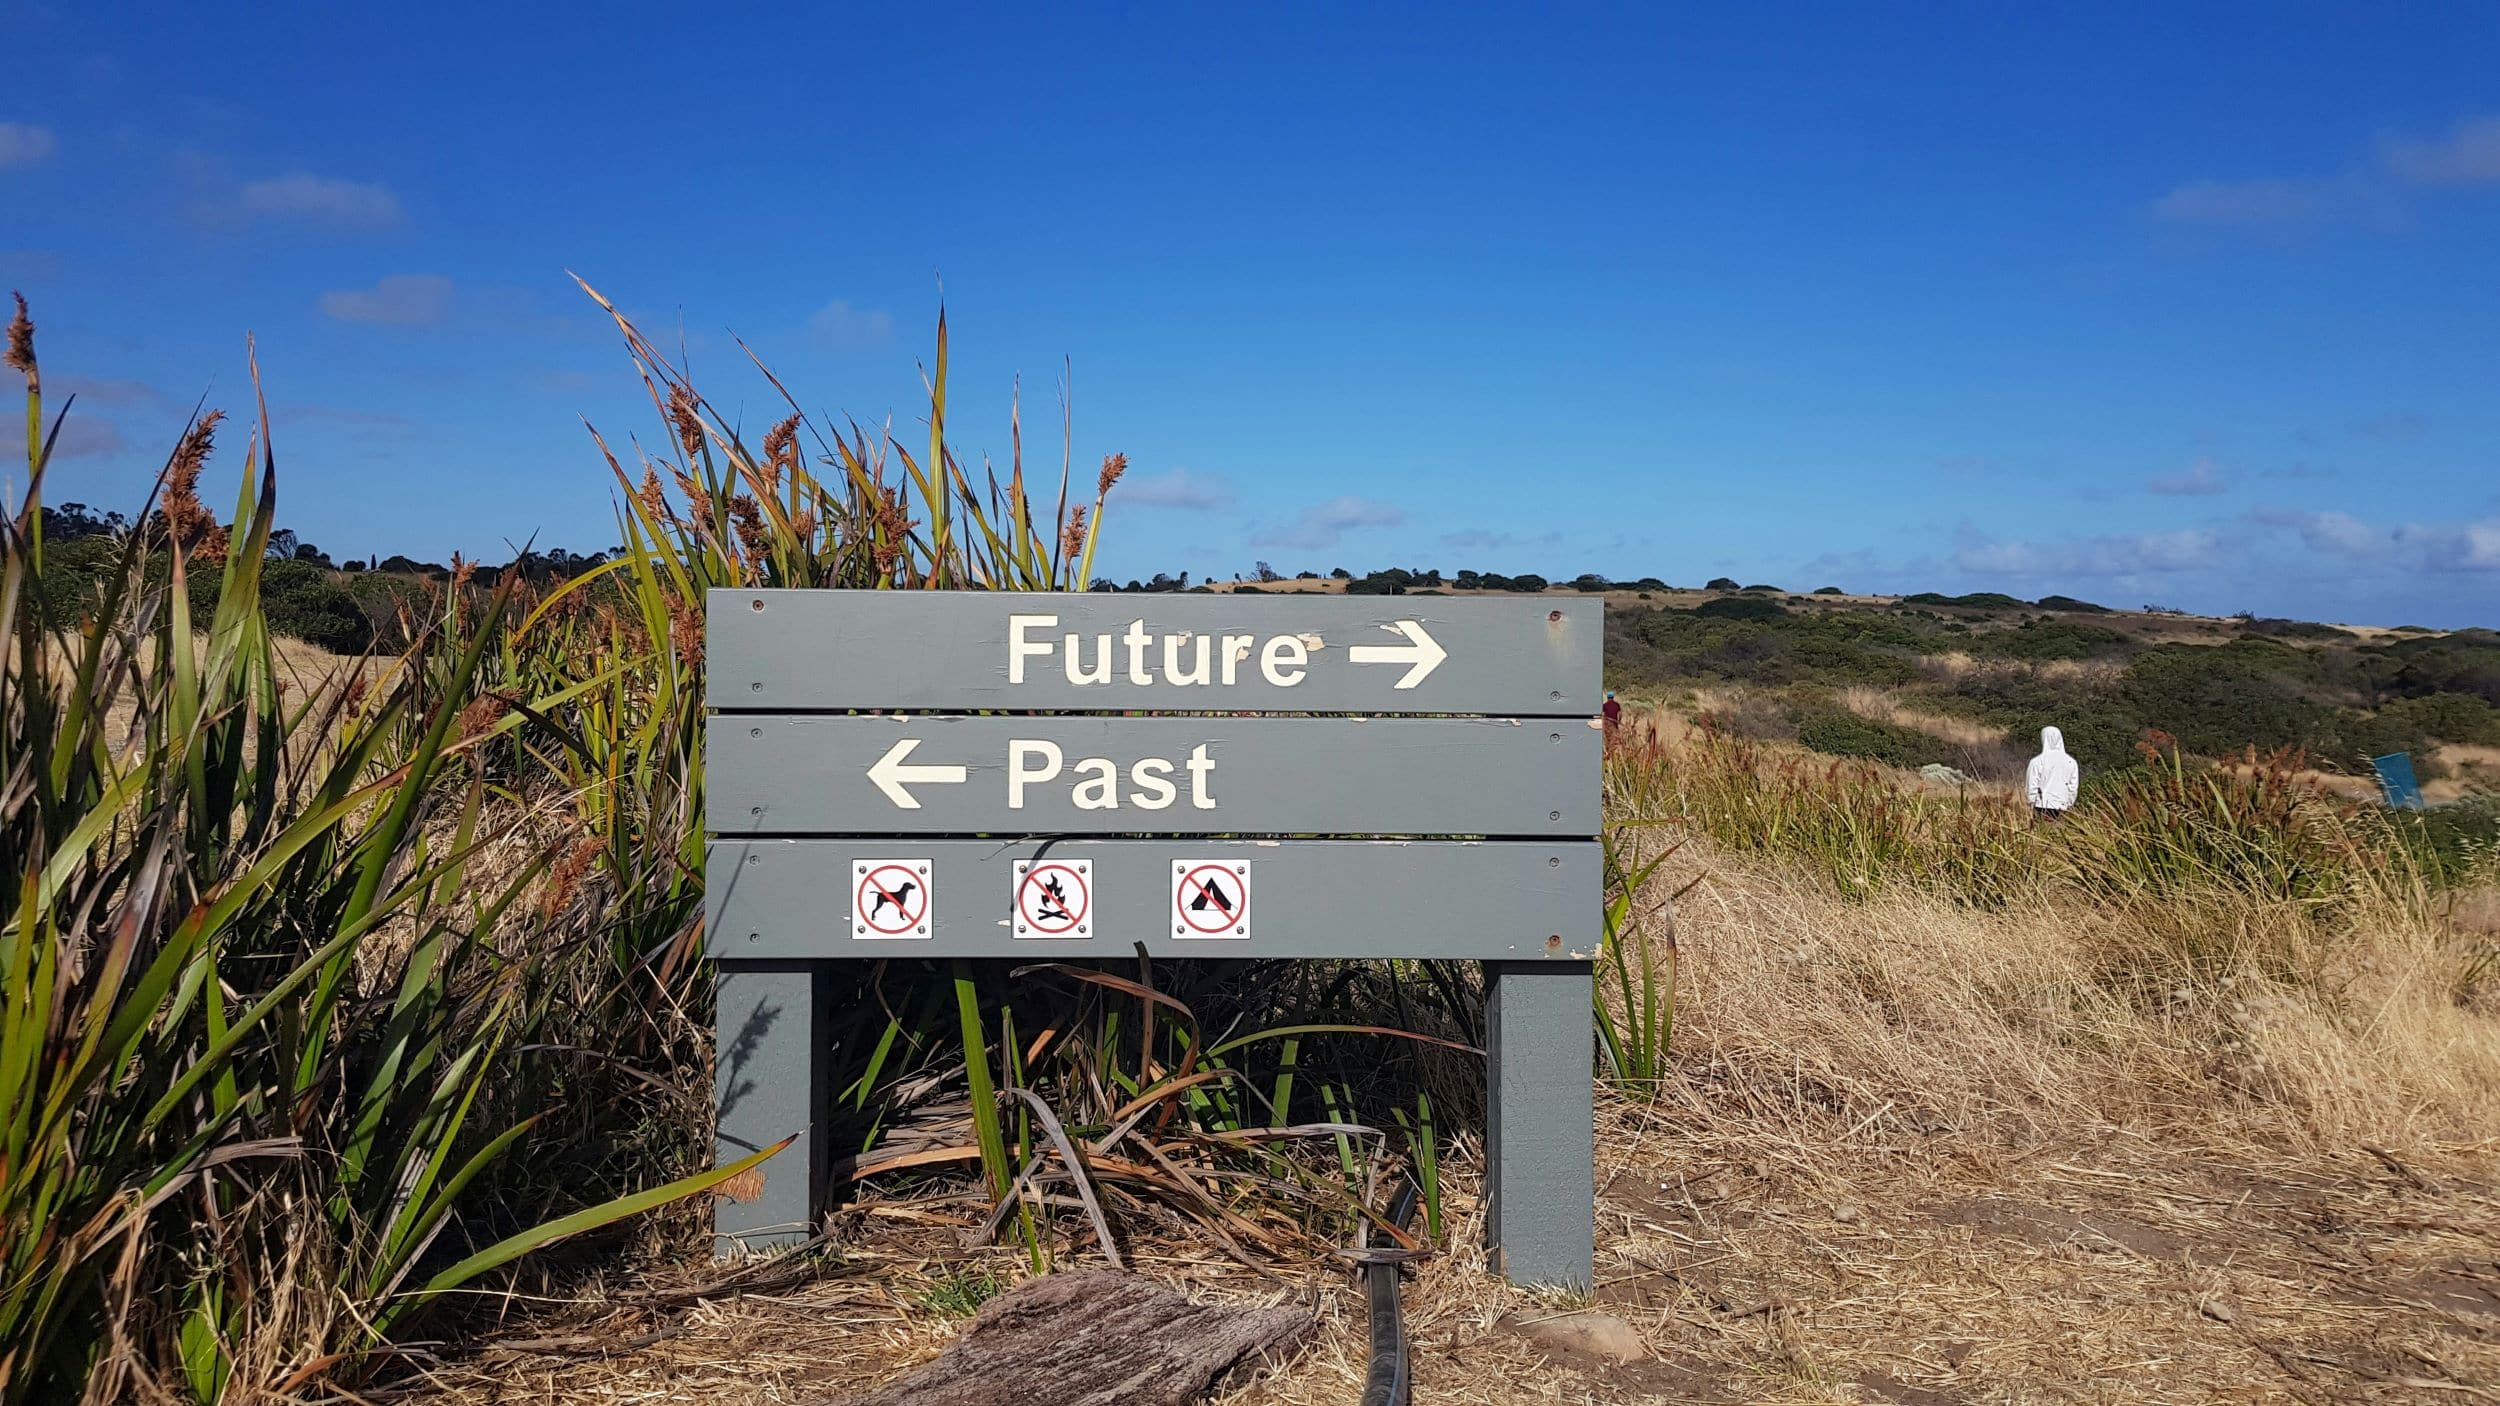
260	990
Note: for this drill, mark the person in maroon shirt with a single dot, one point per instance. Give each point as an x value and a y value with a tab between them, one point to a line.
1613	711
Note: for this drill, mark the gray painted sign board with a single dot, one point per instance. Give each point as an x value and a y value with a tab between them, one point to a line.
856	774
960	651
1200	775
783	900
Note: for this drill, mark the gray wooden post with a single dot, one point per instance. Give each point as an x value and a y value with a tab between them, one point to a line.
1540	1172
770	1079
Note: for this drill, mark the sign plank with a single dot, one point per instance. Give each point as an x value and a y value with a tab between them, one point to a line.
1525	656
785	900
834	774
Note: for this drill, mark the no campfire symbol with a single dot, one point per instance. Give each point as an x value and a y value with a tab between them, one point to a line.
1210	898
1054	898
890	898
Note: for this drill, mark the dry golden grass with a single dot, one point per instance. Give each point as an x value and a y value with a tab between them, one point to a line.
1911	1153
1882	705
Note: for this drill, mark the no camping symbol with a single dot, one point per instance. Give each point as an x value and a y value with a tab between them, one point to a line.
1054	897
1210	898
890	898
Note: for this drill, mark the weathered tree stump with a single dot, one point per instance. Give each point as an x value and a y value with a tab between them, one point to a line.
1094	1337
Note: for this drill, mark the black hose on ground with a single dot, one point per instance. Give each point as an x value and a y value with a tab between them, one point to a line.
1390	1382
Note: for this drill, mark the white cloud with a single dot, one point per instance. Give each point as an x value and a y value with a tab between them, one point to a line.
22	144
2257	202
2473	546
1479	540
1184	489
839	327
2468	156
2202	479
86	437
2371	192
2141	554
320	200
401	300
2335	534
1326	524
95	390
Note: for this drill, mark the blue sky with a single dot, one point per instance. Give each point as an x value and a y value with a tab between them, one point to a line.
2194	305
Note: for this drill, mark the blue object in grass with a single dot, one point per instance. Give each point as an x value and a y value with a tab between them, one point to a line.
2395	781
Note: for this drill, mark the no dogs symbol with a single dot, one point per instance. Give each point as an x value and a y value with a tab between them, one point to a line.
890	898
1054	897
1210	898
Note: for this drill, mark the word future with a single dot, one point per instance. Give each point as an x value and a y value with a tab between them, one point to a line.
1188	657
1033	761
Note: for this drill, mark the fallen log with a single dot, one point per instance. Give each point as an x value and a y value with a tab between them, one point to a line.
1095	1337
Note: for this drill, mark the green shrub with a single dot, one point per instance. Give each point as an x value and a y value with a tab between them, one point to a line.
1976	600
2072	606
1740	608
2467	661
2293	629
73	573
2221	699
1722	583
2043	640
1839	733
2100	742
1829	591
300	601
2448	717
2351	738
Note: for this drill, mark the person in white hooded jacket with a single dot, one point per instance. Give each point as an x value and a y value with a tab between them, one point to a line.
2053	777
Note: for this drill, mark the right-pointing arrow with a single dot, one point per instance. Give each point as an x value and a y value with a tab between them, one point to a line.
891	774
1424	653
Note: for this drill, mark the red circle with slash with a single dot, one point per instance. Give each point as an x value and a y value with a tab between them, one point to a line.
895	915
1226	918
1071	907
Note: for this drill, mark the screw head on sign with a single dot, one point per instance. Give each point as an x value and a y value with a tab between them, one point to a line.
758	604
1553	861
1552	617
755	810
755	732
758	687
1553	815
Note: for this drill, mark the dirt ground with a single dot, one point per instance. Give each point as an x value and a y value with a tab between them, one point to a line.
1908	1270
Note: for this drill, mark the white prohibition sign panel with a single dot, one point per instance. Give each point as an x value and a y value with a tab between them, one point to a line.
890	898
1054	898
1211	898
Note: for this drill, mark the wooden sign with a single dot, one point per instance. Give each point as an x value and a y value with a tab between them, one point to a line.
969	774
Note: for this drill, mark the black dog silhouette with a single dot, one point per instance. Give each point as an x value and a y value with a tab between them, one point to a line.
900	898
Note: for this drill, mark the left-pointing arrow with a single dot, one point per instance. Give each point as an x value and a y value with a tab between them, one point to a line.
892	774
